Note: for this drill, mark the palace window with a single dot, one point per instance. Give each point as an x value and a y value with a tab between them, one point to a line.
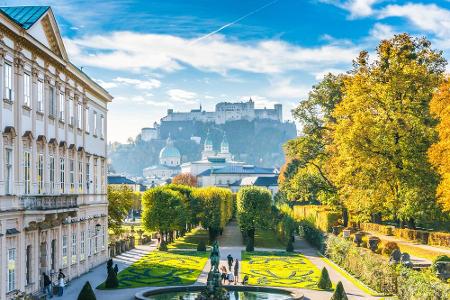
102	126
40	172
27	89
95	174
72	175
27	171
80	115
88	177
82	245
103	179
80	175
9	94
8	166
71	115
64	250
62	174
11	284
86	118
51	101
74	248
61	107
52	174
95	123
40	96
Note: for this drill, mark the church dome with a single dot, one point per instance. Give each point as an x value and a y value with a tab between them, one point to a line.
169	151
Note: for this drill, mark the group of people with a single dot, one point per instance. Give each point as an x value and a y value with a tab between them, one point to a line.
48	284
232	274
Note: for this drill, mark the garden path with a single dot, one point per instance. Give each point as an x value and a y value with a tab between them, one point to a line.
97	275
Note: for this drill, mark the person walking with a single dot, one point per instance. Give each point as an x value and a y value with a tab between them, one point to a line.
47	285
61	283
230	261
236	271
223	269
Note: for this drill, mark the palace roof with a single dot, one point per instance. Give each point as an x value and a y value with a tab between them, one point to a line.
25	16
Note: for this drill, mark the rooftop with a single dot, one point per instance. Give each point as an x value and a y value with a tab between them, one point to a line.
246	169
118	179
25	16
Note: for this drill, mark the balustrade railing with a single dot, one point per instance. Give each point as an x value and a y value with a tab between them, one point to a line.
46	202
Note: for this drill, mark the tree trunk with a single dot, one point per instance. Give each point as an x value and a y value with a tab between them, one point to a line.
345	216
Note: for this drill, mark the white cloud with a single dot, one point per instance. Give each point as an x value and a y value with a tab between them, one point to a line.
357	8
139	84
428	17
284	88
321	74
183	96
381	32
106	84
136	51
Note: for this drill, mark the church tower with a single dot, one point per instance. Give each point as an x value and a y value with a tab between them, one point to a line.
208	149
225	148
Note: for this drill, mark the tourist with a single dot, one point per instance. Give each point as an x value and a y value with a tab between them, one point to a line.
223	269
230	277
230	261
61	283
47	285
245	280
236	271
116	269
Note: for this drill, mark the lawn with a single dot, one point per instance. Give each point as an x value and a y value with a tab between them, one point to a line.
191	239
160	268
267	239
279	269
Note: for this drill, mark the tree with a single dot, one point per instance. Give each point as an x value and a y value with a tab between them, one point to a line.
193	204
120	200
383	130
185	179
324	280
111	280
217	208
339	292
253	207
163	211
86	292
438	153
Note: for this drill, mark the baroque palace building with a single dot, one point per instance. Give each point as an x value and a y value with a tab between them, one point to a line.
53	204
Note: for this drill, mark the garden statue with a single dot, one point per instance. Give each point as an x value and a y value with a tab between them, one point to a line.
395	257
215	257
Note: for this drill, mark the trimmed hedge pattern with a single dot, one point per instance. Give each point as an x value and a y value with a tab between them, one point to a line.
322	218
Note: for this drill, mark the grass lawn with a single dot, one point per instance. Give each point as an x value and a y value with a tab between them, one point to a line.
279	269
160	268
267	239
191	239
127	229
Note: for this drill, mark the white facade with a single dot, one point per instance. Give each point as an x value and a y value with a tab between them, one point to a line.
148	134
228	111
53	204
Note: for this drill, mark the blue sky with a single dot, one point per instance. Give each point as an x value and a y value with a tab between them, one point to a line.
154	55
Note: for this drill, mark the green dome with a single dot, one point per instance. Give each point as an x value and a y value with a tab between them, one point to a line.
169	151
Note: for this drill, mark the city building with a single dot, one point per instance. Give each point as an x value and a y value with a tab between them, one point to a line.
117	181
269	182
149	133
169	165
53	203
228	111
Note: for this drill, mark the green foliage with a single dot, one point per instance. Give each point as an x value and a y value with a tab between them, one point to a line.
163	210
438	259
324	280
120	201
192	204
86	292
339	293
312	234
320	215
250	247
163	246
420	285
254	207
389	247
201	246
290	246
111	281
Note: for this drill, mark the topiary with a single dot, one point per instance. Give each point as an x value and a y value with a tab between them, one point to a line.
86	292
163	246
437	259
324	282
250	246
339	293
389	247
201	246
290	246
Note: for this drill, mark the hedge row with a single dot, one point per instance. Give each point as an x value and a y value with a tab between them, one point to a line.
425	237
321	217
375	271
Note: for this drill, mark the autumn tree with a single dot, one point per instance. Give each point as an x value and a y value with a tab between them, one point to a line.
439	152
185	179
120	201
384	128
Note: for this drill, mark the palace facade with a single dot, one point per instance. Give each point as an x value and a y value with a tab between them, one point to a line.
53	204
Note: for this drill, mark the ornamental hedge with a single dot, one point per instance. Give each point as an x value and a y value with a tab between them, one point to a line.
322	217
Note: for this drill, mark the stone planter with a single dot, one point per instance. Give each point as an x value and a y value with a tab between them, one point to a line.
358	238
336	230
373	243
346	233
390	230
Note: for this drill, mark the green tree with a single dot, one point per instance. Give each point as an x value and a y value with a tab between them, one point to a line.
193	204
120	201
163	211
324	280
254	209
86	292
383	131
339	293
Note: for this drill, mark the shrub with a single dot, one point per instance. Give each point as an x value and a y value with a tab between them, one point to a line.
389	247
324	280
383	229
312	234
439	239
318	214
290	246
420	285
86	292
339	293
163	246
201	246
412	235
437	259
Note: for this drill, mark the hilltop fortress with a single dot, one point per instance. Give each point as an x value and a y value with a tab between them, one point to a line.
228	111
